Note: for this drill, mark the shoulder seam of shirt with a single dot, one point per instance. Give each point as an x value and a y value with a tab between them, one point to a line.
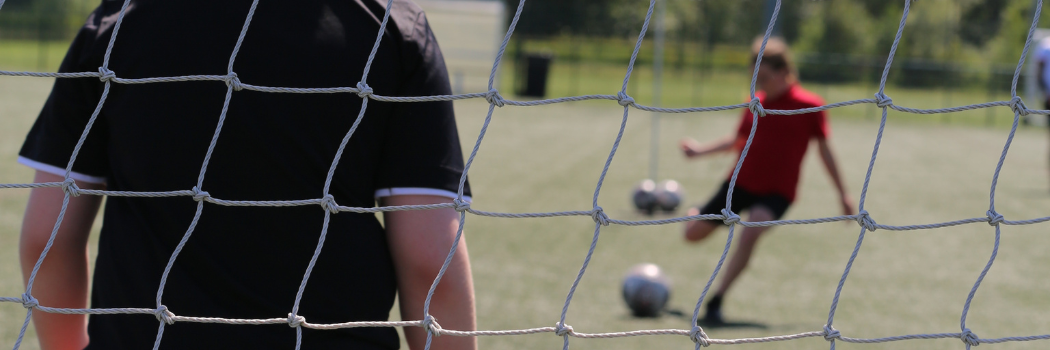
54	170
407	191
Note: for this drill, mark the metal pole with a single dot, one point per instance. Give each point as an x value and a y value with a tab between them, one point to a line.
658	68
989	117
574	53
497	38
949	69
41	40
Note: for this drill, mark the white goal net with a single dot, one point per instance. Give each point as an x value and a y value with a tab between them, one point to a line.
561	326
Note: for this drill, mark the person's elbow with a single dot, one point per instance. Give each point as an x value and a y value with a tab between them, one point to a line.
37	231
422	265
30	246
37	225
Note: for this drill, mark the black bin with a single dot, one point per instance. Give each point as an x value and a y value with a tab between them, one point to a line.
532	76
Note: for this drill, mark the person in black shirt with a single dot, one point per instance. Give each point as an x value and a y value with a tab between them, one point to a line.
248	262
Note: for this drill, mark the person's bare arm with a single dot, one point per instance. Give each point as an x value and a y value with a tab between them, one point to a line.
419	242
693	149
828	157
62	280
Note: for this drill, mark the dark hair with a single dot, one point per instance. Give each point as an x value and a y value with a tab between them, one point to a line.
777	55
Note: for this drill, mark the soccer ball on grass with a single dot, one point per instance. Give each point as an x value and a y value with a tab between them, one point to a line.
646	290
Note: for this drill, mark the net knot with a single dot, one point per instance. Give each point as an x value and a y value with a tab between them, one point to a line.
698	336
295	321
431	325
865	220
598	214
106	75
970	338
328	203
494	98
461	205
995	218
233	81
831	333
562	329
1018	106
755	106
882	100
164	315
29	302
730	217
363	90
623	99
199	195
70	186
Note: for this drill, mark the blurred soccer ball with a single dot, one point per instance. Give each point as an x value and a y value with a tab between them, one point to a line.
644	196
646	290
668	195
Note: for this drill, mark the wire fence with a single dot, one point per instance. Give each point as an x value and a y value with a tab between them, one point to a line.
561	327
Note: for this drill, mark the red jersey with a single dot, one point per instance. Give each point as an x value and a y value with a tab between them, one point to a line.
774	160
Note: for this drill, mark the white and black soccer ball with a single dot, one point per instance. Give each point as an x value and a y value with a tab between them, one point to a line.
668	195
644	196
646	290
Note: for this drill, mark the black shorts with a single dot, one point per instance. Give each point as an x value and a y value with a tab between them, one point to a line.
742	199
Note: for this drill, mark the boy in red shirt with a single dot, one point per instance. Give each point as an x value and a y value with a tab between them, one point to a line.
769	176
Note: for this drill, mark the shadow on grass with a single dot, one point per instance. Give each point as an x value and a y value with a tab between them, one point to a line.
724	324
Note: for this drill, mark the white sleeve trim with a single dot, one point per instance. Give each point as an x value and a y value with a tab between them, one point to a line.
51	169
404	191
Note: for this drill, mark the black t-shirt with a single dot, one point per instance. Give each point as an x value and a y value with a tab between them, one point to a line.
248	262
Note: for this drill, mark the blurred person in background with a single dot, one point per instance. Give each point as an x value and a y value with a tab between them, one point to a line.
769	177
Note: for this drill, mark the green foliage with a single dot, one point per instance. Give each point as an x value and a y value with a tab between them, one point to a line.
43	19
983	21
945	42
835	29
1016	19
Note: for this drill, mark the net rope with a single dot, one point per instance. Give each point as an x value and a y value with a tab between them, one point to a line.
494	99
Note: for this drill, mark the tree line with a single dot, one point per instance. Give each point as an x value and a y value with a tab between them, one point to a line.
944	39
834	40
47	20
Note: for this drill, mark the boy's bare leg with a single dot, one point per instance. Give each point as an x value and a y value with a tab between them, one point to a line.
744	246
697	230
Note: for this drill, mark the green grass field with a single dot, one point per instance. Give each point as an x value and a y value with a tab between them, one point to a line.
548	158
